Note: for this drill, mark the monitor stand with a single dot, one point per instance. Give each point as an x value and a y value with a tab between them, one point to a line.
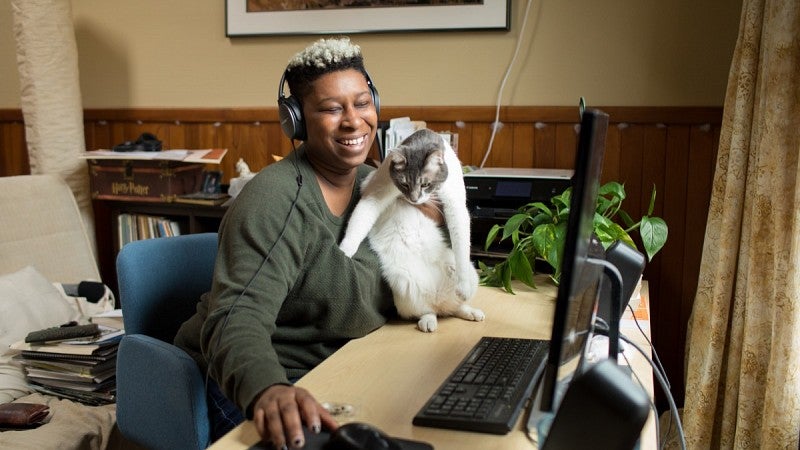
602	402
539	422
615	278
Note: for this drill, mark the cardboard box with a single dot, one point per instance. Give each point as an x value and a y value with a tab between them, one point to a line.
143	180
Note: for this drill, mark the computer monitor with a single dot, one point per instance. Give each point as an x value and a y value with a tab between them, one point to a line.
576	301
574	392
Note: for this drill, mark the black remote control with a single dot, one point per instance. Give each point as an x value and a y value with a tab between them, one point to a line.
63	333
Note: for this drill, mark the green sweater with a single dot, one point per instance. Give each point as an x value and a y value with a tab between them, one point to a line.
287	313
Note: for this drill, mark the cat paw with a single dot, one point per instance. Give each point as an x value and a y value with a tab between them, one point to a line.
428	323
467	284
470	313
348	249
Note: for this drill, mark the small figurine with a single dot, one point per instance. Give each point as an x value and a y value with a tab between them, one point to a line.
238	183
243	169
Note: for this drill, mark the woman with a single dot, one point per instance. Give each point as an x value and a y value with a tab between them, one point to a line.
284	297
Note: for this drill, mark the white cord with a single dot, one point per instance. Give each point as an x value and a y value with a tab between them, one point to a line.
496	123
664	386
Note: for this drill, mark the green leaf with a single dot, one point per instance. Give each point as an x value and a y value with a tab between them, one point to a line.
609	232
492	235
488	275
604	205
543	239
540	219
563	216
512	225
654	233
613	189
548	243
506	276
562	200
541	207
561	237
521	267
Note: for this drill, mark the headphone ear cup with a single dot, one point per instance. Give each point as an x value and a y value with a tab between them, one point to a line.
376	100
291	118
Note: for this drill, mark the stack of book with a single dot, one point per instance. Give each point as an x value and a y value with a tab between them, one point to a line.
132	227
82	369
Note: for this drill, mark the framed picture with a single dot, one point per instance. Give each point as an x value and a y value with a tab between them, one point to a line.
272	17
212	182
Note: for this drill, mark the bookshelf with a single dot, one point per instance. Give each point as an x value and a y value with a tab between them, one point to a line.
190	219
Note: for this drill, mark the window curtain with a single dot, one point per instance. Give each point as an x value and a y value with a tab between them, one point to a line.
743	355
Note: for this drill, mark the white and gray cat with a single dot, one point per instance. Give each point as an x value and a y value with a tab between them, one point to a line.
428	277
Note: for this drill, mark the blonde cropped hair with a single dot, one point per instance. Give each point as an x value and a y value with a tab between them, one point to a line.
322	57
325	52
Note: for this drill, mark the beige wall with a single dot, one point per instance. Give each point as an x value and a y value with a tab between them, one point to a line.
152	53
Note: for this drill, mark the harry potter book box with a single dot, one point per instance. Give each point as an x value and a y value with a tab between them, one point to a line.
148	176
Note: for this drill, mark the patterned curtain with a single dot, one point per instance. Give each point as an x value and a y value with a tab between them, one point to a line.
743	356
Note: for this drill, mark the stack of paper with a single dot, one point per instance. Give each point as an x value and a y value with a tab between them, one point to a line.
399	129
112	319
82	369
206	156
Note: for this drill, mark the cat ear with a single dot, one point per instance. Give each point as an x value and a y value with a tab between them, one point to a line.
435	158
398	160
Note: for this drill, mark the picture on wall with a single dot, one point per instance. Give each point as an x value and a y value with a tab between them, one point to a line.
274	17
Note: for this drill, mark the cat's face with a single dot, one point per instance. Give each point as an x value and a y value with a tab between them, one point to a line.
418	168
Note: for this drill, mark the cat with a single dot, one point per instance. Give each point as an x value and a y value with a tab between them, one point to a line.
428	277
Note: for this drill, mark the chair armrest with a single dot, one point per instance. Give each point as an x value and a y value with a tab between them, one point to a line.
161	399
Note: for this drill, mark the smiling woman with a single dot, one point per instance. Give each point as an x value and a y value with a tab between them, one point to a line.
277	308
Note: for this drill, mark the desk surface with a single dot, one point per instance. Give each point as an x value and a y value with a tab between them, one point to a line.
389	374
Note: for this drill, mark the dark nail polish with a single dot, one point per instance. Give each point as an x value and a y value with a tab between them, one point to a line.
316	428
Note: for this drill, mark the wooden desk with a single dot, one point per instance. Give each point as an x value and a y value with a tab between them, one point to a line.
388	375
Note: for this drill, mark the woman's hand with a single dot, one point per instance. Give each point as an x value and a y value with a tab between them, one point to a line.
280	411
433	210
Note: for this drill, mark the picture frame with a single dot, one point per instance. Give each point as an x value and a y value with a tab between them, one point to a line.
212	182
461	15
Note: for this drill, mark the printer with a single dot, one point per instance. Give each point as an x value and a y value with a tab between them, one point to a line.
495	194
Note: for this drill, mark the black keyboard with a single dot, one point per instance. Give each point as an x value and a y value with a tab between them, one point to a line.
488	389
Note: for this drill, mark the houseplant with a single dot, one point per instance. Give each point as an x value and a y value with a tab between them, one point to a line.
537	233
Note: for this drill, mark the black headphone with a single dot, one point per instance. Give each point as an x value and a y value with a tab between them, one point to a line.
290	112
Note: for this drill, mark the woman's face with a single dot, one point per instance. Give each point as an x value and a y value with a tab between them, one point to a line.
340	120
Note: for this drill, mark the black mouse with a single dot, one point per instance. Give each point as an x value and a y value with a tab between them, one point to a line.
360	436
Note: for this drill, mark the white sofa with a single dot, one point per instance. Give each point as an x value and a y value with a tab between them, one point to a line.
43	241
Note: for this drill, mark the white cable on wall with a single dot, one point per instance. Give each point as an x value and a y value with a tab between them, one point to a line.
496	125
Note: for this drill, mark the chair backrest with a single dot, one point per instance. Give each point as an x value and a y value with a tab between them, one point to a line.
161	399
41	225
161	280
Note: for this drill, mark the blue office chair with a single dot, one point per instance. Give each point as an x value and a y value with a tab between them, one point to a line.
161	400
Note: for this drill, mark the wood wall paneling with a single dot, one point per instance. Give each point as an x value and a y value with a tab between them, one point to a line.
13	147
673	148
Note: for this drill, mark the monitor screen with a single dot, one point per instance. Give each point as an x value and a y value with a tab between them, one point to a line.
576	301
